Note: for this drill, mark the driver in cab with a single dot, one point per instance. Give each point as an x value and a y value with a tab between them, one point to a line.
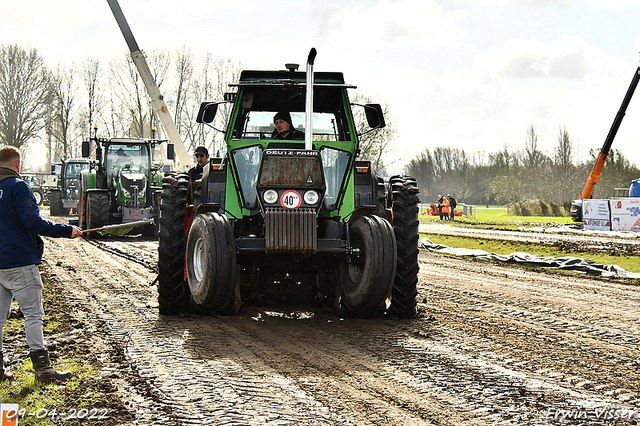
284	127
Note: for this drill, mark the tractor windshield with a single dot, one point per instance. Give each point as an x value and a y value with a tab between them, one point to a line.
134	157
72	170
72	178
259	125
261	103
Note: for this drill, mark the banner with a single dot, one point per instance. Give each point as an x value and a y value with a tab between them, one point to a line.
596	215
625	214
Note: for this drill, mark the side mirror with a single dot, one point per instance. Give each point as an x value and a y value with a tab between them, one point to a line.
207	112
171	151
86	147
375	117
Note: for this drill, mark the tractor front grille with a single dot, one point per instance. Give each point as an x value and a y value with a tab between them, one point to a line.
291	231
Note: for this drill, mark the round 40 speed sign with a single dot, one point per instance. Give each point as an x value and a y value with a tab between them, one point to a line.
291	199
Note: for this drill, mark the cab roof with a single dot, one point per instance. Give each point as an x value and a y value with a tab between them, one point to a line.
290	78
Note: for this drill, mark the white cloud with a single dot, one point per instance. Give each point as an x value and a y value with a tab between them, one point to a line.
491	104
601	4
567	58
388	24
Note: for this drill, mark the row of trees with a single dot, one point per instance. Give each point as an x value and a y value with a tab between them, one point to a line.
60	106
509	176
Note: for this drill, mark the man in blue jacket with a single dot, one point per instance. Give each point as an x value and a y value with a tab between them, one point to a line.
21	251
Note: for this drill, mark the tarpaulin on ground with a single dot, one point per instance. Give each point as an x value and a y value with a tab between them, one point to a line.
563	262
577	229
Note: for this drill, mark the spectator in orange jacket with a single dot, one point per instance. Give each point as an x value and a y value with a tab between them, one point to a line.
443	204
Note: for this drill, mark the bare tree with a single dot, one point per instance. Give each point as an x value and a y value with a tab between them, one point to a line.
184	75
532	157
25	94
64	110
131	96
565	171
209	85
159	63
95	102
373	145
128	92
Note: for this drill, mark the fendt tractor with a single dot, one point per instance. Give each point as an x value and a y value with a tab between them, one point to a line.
295	219
63	199
125	184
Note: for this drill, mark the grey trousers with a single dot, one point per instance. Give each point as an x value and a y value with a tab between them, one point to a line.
25	285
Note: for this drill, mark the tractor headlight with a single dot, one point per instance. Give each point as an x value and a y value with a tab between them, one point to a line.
311	197
270	196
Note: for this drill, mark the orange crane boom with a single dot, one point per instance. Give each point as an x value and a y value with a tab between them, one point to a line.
604	151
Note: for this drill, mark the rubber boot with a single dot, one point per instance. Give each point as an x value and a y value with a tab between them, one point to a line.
43	369
4	375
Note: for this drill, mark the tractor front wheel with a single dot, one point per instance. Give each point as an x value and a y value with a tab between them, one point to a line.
211	264
38	196
97	211
55	203
365	281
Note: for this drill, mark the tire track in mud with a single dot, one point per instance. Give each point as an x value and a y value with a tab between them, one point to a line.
572	332
488	349
193	388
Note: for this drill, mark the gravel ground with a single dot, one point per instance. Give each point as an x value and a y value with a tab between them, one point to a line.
493	344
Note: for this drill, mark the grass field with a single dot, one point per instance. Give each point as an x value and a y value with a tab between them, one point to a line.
498	217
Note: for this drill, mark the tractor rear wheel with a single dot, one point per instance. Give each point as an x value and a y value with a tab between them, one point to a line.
172	220
365	282
403	198
55	203
211	264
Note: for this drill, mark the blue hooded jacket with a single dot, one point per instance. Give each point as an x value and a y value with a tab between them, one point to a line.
21	224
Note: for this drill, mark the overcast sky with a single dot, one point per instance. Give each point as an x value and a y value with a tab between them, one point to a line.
472	74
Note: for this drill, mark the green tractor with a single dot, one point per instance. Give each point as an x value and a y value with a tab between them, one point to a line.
63	199
124	186
289	217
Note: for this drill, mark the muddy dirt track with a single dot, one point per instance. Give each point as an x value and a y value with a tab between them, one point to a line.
493	344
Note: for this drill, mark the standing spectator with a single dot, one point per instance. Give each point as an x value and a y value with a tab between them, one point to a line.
202	157
452	205
21	251
443	205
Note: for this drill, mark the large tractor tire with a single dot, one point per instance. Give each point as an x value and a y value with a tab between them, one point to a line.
403	198
97	211
211	265
82	210
38	196
365	282
173	210
55	201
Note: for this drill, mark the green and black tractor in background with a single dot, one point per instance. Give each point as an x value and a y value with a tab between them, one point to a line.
125	184
297	220
63	199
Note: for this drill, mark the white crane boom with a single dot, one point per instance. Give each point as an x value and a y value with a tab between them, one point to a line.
157	102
